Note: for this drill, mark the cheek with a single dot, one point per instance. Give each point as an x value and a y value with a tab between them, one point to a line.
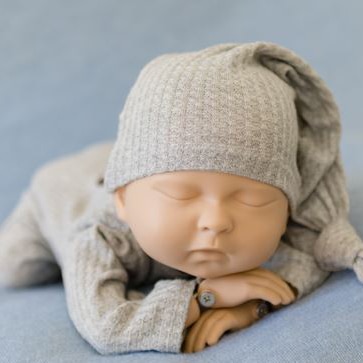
159	230
259	236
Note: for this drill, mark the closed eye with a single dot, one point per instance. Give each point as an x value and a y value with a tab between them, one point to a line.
238	201
257	205
172	197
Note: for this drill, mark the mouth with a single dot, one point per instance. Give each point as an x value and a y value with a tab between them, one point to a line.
206	256
208	250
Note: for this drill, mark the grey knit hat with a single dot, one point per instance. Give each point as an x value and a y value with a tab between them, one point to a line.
256	110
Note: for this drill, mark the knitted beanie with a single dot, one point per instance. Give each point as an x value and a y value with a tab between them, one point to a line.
256	110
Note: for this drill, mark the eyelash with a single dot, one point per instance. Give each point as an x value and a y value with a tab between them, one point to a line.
185	199
169	196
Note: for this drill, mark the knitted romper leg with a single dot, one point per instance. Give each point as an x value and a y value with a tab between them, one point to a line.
25	258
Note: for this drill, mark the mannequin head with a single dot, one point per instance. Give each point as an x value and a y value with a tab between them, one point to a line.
174	214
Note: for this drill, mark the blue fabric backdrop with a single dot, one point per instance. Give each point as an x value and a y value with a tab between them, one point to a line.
65	70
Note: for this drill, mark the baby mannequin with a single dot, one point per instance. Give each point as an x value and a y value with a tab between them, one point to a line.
234	147
239	219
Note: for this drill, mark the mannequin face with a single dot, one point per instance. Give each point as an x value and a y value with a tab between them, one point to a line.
173	215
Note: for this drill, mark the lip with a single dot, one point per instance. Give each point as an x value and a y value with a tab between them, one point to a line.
208	250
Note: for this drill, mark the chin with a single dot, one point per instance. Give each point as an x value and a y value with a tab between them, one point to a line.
210	275
205	274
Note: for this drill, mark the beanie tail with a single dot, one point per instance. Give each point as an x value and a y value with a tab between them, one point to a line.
323	206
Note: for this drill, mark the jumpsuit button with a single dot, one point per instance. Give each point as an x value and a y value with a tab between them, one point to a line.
100	181
206	299
263	308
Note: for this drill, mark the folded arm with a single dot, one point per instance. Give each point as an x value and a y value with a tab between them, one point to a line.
96	291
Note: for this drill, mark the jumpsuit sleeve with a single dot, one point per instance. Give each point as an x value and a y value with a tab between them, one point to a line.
298	268
95	284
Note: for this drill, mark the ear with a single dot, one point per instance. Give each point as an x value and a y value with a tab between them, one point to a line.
119	198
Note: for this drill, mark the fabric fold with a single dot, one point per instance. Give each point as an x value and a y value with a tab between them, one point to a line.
96	291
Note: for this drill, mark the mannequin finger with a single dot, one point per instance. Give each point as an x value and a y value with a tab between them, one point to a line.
235	319
219	327
194	331
201	338
274	291
266	292
274	284
273	277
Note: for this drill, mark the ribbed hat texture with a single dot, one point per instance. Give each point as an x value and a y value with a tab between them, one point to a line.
256	110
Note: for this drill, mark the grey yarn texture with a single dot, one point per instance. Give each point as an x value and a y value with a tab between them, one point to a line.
256	110
66	224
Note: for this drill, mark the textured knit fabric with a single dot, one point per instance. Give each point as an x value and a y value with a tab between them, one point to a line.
65	218
212	109
257	110
66	223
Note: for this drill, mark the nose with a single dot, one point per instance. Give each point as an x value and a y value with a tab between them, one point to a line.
215	218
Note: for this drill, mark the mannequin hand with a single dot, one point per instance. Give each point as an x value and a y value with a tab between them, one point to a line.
193	312
213	323
259	283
